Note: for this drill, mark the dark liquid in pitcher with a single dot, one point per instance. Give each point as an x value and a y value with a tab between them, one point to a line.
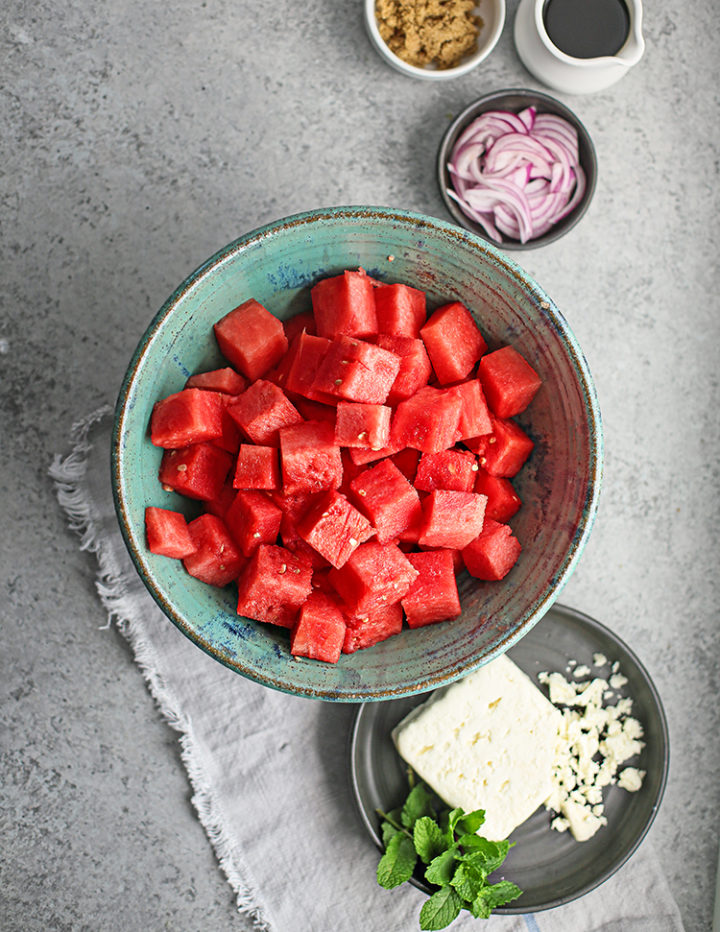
587	28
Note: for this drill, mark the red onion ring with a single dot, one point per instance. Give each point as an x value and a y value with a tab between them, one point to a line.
516	174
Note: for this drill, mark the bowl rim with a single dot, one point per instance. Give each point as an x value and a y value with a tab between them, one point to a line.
478	106
136	547
466	65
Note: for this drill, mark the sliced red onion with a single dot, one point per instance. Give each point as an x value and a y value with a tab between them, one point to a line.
517	175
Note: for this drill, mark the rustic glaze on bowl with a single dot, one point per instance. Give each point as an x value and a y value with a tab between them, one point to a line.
559	485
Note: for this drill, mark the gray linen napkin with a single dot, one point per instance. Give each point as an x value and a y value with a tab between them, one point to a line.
245	747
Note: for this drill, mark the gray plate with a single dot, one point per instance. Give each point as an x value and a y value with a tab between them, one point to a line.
550	868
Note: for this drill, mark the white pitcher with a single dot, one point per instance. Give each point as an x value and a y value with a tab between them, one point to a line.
563	72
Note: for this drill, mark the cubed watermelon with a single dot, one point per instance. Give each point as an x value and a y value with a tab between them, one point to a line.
362	425
216	559
319	631
225	380
383	494
310	459
274	585
504	451
356	371
257	467
293	326
344	303
451	519
401	310
502	499
493	553
253	519
434	594
307	353
188	416
262	411
509	381
415	370
475	419
167	533
251	339
454	470
376	575
453	341
428	421
369	629
334	528
198	471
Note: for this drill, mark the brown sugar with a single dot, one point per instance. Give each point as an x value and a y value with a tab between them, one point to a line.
429	32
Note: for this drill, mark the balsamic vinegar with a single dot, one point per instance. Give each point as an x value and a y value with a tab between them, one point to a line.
587	28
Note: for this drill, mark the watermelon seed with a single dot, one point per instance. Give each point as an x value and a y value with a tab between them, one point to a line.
296	569
362	435
362	492
256	534
282	568
474	467
492	440
182	467
353	542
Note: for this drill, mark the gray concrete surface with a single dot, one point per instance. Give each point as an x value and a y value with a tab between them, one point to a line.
138	138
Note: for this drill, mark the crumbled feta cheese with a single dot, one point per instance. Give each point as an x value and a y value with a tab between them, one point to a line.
596	738
631	779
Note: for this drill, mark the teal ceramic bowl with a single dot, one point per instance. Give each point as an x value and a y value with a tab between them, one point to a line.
559	485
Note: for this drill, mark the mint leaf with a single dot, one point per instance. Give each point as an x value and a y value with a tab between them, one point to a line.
417	805
398	862
468	881
471	821
480	908
428	839
441	869
440	909
484	855
498	894
387	831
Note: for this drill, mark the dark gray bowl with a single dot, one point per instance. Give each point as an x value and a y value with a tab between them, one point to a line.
550	868
516	100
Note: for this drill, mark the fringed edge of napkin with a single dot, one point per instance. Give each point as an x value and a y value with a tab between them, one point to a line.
68	473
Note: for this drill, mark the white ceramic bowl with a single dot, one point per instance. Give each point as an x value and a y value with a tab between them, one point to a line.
492	13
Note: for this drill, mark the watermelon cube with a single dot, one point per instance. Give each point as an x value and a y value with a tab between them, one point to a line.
509	381
504	451
262	411
198	471
251	339
451	519
216	559
383	494
273	585
188	416
344	303
454	470
319	631
225	380
293	326
253	519
434	594
167	533
475	419
401	310
415	369
310	458
362	425
493	553
334	528
428	421
376	575
453	341
502	499
366	630
257	467
306	355
356	371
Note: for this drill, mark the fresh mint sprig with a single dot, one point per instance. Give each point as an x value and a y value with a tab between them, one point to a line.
457	860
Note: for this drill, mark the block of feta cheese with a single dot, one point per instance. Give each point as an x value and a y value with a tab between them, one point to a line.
488	741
